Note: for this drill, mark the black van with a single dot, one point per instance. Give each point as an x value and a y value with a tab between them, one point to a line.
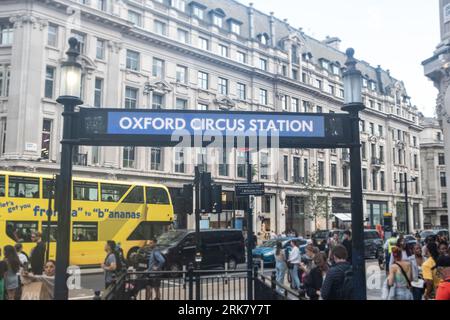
179	247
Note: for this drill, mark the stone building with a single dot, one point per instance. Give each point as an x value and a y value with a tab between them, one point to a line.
205	55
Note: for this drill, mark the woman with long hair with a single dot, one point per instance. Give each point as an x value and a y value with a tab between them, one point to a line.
429	270
111	262
280	263
400	276
13	266
314	279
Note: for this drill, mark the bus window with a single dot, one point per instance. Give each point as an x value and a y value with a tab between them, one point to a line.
148	229
85	191
157	195
113	192
85	231
20	231
47	185
135	196
22	187
2	186
53	230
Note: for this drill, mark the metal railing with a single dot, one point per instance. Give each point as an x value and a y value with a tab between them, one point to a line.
267	288
179	285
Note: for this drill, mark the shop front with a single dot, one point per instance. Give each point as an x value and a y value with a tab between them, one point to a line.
342	211
376	211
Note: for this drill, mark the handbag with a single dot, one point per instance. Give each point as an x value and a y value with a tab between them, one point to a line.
387	292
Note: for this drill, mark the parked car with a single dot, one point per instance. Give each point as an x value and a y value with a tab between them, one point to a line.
443	233
179	249
266	252
373	244
320	237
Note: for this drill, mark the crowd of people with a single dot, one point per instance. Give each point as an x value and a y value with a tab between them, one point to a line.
413	271
27	278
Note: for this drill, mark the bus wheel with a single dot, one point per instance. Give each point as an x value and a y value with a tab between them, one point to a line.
131	256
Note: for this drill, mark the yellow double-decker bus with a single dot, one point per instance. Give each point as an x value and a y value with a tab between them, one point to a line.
126	212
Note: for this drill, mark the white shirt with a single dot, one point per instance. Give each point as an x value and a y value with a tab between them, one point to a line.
23	258
294	256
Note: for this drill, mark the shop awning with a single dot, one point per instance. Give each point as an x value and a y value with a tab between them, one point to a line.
344	217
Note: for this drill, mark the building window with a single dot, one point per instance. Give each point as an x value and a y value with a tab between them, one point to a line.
223	50
181	74
380	131
160	28
319	109
52	35
182	36
415	141
82	41
265	165
101	5
217	21
372	129
381	148
179	161
202	106
364	179
181	104
223	166
235	28
306	105
158	68
295	104
133	60
241	164
374	180
179	4
441	159
345	181
158	101
203	43
334	175
263	96
321	172
6	33
294	74
155	159
95	155
444	200
332	89
319	84
241	57
263	64
443	179
128	157
382	181
5	77
135	18
100	50
98	92
46	139
49	82
297	167
416	162
2	135
242	91
202	159
285	102
198	12
305	170
286	168
223	86
203	80
131	96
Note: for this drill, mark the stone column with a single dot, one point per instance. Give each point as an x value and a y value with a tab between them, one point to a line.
24	120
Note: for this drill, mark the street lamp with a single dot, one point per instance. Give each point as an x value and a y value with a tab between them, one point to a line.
69	98
352	78
413	179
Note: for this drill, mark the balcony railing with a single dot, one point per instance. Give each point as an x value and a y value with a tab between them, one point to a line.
79	159
377	162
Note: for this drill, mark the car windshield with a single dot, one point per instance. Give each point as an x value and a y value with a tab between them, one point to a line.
269	244
427	233
170	237
321	234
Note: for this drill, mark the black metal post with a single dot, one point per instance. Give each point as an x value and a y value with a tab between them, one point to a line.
406	204
63	230
69	100
198	184
249	233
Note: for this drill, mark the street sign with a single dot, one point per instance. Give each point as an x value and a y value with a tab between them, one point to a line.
143	127
249	189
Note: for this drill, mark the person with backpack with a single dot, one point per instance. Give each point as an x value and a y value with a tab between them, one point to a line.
400	276
112	263
156	263
338	283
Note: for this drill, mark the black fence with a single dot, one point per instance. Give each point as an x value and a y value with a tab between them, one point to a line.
267	288
179	285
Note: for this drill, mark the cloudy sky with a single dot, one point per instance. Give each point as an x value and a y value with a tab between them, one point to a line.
397	34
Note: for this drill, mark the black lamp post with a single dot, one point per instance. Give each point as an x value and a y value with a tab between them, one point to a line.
406	199
70	98
353	105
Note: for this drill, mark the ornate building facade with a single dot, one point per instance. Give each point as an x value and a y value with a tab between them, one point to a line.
205	55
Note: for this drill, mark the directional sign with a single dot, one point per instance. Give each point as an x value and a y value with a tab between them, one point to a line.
120	127
249	189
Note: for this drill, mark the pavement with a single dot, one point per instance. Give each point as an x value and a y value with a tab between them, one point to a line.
92	280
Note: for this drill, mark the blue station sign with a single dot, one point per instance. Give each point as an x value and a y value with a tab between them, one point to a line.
169	127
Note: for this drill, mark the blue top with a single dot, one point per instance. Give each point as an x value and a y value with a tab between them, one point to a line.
156	261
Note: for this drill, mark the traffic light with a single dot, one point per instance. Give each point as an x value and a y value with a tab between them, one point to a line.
205	193
188	198
216	196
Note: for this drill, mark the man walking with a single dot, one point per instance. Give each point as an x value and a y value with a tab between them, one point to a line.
37	257
333	287
347	243
155	263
